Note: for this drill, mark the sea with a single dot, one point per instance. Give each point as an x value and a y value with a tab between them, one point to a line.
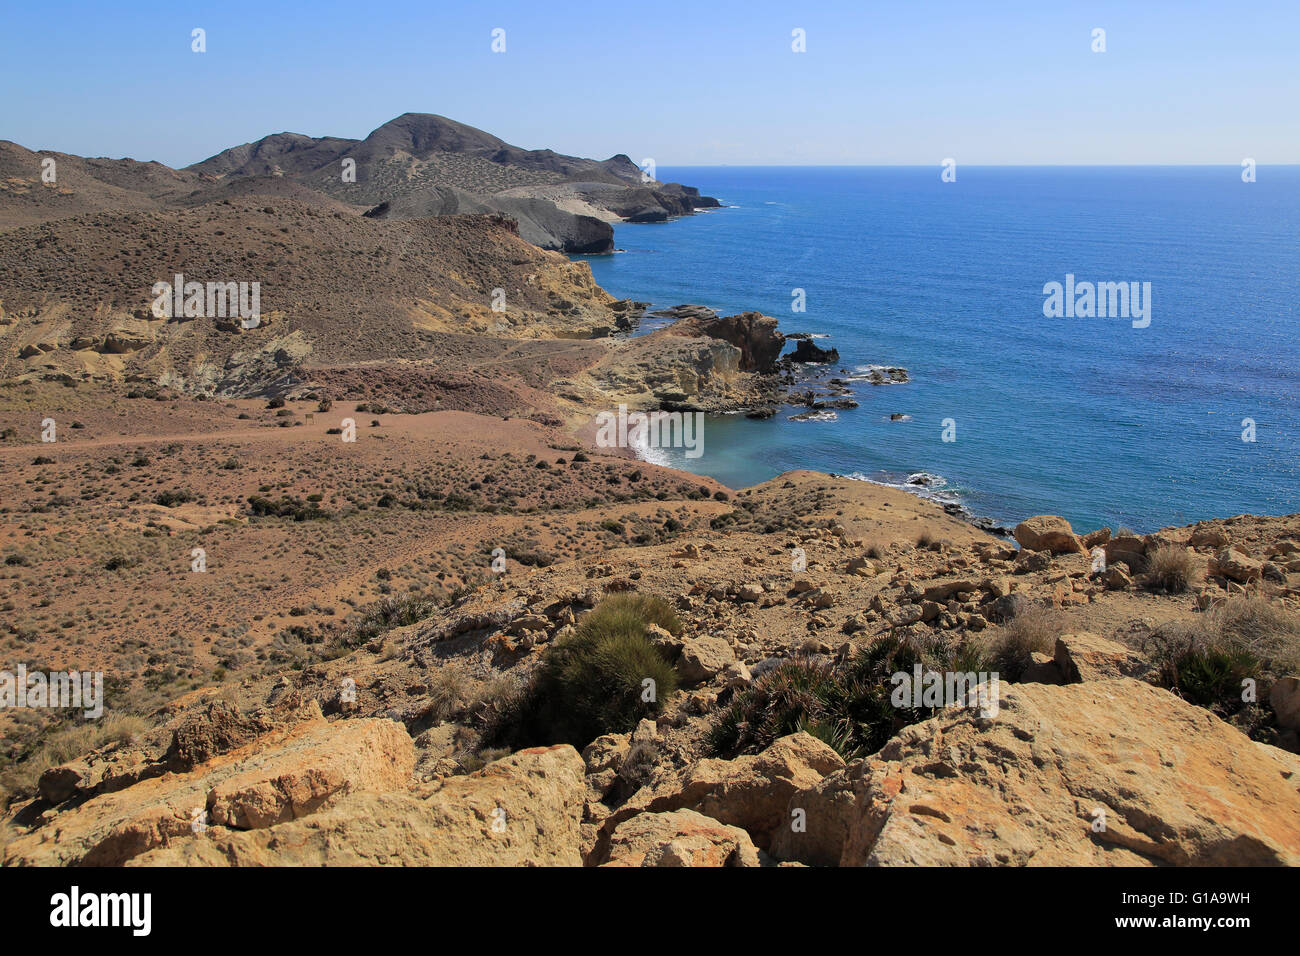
1016	406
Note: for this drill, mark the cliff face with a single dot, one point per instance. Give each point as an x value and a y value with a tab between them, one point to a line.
754	334
541	222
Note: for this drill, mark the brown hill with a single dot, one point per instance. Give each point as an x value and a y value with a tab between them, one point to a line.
406	167
335	289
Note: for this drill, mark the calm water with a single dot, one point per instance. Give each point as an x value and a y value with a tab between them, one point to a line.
1085	417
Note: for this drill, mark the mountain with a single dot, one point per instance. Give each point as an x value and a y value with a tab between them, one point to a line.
415	165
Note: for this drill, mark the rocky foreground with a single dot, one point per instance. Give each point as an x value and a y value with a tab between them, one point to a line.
1095	755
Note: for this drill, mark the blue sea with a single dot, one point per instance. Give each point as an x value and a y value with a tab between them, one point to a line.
1089	418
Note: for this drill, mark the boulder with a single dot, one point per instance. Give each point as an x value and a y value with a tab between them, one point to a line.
1047	533
1094	539
1285	698
679	838
1113	772
750	792
805	352
1116	579
522	810
299	777
1032	562
1005	608
702	657
1236	565
1084	656
1127	549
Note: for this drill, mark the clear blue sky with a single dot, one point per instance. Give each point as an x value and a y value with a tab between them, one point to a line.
705	82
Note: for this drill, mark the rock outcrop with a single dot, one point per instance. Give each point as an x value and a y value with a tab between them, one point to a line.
807	352
1112	772
750	792
679	838
753	333
522	810
1047	533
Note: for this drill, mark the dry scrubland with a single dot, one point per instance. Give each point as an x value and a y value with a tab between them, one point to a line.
350	672
351	681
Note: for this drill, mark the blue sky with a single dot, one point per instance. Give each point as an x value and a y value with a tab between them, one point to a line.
684	83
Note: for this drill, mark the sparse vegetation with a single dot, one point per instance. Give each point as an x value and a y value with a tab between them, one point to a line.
1205	661
846	704
593	682
1172	570
1034	628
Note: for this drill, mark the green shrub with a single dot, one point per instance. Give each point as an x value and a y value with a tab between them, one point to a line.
384	615
847	704
592	682
170	499
286	507
1206	661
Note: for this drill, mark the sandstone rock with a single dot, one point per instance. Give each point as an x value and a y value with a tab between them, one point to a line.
1095	539
522	810
941	591
126	335
736	675
1005	608
702	657
861	566
1032	562
749	792
997	587
1047	533
1084	656
753	333
664	640
1235	565
679	838
1116	579
606	752
299	777
1285	698
1171	783
217	729
115	825
749	593
1126	548
1208	538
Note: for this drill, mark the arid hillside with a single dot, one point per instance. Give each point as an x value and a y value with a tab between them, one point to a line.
413	166
394	638
334	289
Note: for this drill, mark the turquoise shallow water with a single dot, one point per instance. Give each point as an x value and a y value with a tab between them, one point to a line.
1085	417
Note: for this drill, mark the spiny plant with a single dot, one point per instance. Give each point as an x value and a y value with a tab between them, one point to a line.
593	681
846	704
